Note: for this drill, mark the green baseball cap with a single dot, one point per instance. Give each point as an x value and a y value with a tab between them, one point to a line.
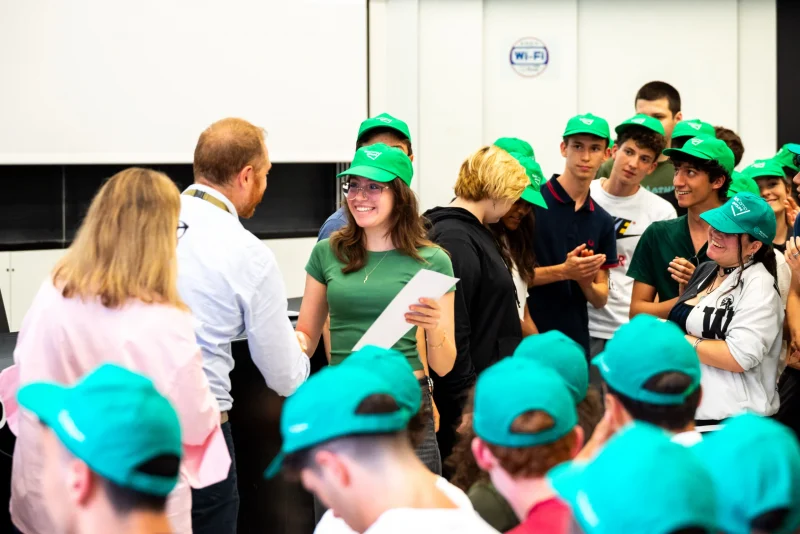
786	156
765	168
641	120
693	128
381	163
755	465
625	370
115	421
513	144
588	124
745	213
640	481
394	368
742	183
512	387
325	407
560	353
532	192
384	120
706	148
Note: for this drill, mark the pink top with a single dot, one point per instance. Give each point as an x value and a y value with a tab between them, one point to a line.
63	339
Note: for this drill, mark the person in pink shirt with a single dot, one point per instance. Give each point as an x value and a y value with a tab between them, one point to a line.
113	299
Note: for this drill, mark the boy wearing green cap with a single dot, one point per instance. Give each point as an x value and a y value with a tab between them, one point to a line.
669	251
640	482
755	465
575	244
384	129
111	451
346	453
640	141
525	424
662	102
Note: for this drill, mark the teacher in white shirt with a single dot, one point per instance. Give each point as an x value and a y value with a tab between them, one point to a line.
232	284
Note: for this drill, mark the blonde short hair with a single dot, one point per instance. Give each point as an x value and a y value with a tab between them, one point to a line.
225	148
491	173
126	247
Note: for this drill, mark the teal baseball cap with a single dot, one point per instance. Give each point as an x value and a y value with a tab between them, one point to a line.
325	407
745	213
755	465
514	144
787	156
742	183
588	124
381	163
384	120
115	421
706	148
693	128
641	120
764	168
643	348
640	481
512	387
394	368
560	353
533	192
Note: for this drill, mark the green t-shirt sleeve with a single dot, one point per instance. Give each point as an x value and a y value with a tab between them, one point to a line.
605	169
320	257
439	261
492	507
642	267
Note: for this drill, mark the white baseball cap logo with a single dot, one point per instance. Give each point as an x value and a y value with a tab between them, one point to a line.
638	121
696	141
299	427
694	125
372	154
738	207
384	119
759	165
587	121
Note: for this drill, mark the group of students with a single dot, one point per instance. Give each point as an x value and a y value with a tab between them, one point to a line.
682	319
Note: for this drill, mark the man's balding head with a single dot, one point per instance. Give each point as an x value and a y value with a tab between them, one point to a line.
225	148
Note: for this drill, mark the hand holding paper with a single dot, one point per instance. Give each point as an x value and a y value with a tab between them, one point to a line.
391	325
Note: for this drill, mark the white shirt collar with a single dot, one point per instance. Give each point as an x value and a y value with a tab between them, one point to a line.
216	194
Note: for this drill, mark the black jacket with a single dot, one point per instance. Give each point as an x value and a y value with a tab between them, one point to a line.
486	318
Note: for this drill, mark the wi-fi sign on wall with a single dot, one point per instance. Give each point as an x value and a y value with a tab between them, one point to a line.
529	57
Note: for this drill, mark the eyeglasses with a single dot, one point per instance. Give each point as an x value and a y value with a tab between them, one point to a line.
182	227
371	191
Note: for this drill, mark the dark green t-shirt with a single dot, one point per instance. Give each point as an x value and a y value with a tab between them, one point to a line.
659	181
492	507
660	243
354	305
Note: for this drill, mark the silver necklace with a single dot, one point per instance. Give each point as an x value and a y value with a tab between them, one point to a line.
373	269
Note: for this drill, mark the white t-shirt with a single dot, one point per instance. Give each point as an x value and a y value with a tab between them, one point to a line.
632	215
689	438
330	524
522	291
750	320
430	521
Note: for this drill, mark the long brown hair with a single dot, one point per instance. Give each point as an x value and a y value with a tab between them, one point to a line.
406	228
126	247
518	245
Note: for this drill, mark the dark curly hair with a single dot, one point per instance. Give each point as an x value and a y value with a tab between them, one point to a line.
711	167
643	137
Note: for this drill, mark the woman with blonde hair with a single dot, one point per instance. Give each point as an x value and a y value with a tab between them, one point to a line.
487	325
113	298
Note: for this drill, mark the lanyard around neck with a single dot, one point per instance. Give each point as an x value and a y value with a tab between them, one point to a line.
208	198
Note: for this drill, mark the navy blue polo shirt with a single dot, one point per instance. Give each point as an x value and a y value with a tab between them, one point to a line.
559	229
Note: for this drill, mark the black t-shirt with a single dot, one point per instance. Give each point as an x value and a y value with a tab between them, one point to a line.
559	229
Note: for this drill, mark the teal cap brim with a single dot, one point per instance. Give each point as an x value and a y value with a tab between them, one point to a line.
794	148
373	173
722	223
567	480
45	401
534	197
275	466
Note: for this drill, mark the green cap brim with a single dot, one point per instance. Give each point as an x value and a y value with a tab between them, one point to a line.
717	219
534	197
669	151
44	400
794	148
373	173
275	466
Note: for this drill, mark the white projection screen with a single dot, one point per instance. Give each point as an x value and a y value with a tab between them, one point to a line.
136	81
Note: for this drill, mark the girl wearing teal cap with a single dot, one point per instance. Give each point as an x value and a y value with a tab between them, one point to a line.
732	313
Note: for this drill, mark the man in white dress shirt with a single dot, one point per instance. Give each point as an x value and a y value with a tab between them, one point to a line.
232	284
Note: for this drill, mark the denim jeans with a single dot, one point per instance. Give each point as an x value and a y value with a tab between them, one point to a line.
215	508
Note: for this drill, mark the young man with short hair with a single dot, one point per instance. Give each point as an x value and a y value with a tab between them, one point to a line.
525	424
384	129
347	453
111	452
575	244
662	102
640	141
669	251
651	373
